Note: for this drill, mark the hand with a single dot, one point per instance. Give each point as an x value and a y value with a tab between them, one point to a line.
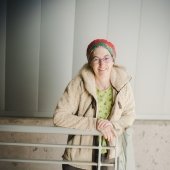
106	128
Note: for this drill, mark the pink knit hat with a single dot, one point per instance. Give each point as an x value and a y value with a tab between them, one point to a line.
100	42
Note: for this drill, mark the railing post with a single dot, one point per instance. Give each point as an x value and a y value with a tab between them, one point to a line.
99	152
116	142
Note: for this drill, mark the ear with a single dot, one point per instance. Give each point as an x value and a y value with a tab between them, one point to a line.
114	58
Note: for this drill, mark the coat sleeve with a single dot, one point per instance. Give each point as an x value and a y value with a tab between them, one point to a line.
128	111
66	110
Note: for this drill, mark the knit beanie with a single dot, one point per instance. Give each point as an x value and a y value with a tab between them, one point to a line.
100	42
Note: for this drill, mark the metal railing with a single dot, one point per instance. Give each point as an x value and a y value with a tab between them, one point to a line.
120	163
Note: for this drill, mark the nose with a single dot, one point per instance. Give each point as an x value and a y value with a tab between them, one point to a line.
101	61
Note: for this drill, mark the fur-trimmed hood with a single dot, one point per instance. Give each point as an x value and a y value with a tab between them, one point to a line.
119	78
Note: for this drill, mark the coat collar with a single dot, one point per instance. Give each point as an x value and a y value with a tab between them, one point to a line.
119	78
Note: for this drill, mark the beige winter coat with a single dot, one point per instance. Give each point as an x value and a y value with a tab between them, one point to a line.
78	106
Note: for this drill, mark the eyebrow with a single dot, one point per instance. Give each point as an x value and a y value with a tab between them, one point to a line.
107	55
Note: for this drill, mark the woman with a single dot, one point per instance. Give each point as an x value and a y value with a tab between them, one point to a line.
99	97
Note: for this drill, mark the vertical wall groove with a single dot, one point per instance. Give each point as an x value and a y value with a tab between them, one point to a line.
138	42
2	52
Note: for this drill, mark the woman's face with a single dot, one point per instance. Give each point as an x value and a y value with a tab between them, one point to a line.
101	62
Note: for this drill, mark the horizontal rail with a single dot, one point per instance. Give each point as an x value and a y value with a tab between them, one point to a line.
55	162
53	145
47	129
48	161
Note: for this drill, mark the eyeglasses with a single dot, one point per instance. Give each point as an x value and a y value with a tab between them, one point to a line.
106	59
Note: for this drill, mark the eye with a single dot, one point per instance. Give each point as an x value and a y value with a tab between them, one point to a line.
95	59
107	58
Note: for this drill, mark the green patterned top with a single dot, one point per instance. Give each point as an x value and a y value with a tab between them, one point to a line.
105	103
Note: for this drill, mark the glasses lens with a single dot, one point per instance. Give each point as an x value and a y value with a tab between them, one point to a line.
105	59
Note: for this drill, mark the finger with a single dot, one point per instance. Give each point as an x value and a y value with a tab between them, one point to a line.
104	134
104	124
110	134
100	126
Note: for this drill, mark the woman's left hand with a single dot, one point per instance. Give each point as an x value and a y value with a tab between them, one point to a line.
106	128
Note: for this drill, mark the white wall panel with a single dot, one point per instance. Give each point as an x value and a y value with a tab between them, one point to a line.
46	43
56	53
90	23
152	58
167	85
123	29
22	55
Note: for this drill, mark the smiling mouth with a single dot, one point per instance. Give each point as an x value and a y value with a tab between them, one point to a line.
102	69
